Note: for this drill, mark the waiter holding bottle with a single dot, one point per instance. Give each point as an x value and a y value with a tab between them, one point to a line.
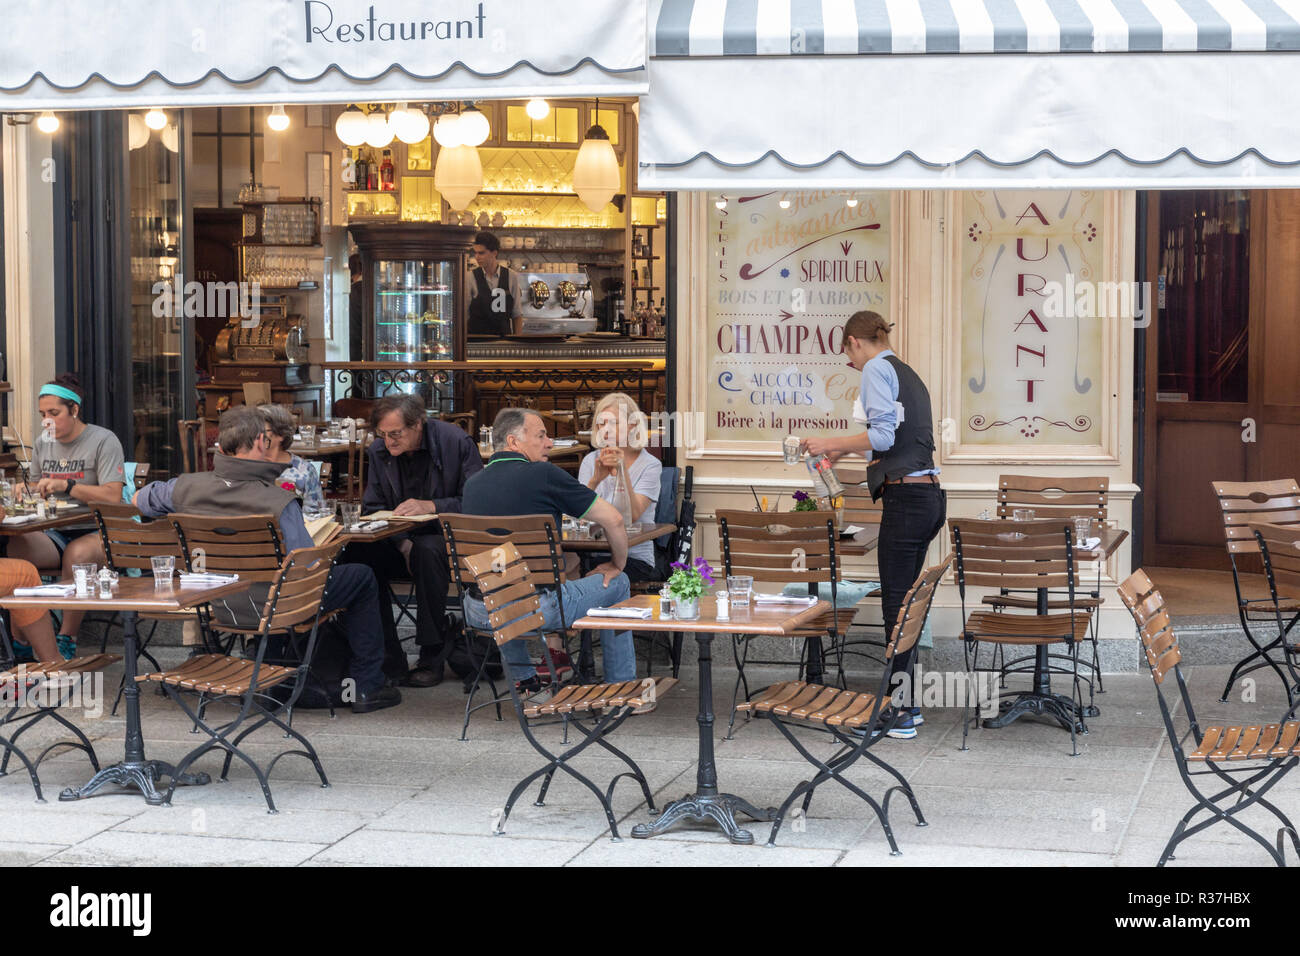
495	302
899	444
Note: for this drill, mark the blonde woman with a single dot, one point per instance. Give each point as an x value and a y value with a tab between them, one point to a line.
619	432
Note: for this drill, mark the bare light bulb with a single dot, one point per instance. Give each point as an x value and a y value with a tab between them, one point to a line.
47	122
537	108
155	119
278	119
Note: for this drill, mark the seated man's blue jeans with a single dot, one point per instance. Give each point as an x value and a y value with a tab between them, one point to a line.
579	597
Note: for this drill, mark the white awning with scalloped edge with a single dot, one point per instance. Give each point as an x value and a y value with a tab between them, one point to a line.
91	54
970	94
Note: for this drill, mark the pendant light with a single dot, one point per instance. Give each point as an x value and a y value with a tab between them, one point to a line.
595	171
537	108
278	119
155	119
410	124
378	133
47	122
474	128
137	133
171	137
458	175
447	131
350	127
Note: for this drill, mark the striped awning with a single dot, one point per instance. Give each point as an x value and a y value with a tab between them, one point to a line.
845	94
811	27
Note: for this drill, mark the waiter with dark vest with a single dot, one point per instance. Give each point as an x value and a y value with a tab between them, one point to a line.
495	300
899	444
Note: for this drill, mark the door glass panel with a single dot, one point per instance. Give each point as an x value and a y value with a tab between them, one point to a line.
1205	267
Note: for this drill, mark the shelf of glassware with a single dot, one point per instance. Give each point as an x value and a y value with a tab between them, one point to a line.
414	310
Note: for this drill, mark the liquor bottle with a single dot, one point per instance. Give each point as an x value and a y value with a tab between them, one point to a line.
372	173
359	171
386	172
823	476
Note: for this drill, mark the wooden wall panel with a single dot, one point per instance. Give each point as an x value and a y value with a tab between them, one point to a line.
1190	455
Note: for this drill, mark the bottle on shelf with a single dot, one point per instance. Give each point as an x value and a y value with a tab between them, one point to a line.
372	173
386	172
359	171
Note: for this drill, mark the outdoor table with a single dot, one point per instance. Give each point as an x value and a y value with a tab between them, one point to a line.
707	803
559	451
395	526
79	514
1041	700
642	534
131	597
323	448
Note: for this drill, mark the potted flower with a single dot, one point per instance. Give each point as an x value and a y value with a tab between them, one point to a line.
804	502
686	584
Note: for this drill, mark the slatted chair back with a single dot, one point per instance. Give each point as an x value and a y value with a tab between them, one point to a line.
1242	502
1053	497
298	588
916	609
1022	554
535	537
129	543
787	547
501	575
466	421
1279	546
859	509
194	444
247	545
358	458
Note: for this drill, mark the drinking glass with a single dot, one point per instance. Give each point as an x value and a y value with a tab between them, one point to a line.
309	435
82	576
351	515
335	429
164	565
739	588
790	449
1023	514
1082	528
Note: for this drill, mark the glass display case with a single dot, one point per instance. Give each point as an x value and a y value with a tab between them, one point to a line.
414	310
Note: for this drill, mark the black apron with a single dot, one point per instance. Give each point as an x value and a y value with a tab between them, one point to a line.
483	319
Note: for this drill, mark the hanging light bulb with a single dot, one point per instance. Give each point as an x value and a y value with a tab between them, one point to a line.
155	118
350	127
47	122
410	124
278	119
171	137
458	175
595	171
447	131
537	108
137	134
378	132
474	128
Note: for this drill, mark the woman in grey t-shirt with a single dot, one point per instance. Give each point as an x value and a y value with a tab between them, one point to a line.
77	463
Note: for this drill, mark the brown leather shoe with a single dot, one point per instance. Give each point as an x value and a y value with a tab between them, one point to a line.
424	676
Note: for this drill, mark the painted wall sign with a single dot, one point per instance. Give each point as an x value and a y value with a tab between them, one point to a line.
781	283
1033	308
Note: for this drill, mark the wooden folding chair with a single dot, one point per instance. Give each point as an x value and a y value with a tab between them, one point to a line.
1241	503
795	547
795	705
294	601
1279	548
1063	498
46	686
1026	555
502	576
1249	760
538	542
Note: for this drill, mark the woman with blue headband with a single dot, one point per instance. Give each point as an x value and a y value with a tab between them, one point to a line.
77	463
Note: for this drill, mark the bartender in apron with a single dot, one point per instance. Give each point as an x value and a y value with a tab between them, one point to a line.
495	301
899	444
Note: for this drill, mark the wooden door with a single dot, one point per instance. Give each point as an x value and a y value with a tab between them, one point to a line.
1223	361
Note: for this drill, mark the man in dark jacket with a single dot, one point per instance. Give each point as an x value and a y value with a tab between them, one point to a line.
243	482
418	467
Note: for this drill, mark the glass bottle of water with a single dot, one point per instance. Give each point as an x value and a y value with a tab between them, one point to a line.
621	497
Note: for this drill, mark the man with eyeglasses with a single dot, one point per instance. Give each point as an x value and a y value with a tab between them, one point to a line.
417	466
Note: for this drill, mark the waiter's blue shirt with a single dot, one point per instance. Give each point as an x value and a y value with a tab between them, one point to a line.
880	402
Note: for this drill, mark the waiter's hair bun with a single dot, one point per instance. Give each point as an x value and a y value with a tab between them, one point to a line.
868	326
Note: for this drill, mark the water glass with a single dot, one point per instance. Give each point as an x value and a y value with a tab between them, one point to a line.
790	449
739	588
1082	528
1023	514
309	435
335	429
82	576
351	515
164	565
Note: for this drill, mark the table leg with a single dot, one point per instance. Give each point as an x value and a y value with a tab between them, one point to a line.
134	770
706	803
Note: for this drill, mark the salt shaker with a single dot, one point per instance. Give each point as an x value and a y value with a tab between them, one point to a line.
105	583
665	604
724	606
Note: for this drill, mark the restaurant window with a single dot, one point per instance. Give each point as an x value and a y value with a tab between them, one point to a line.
158	346
1204	308
560	125
227	152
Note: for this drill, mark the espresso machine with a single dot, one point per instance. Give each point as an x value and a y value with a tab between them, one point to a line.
556	303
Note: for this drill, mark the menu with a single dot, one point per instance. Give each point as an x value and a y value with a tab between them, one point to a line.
786	269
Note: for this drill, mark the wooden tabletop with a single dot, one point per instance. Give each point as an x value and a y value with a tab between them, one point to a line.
559	451
645	533
394	526
778	621
133	594
323	449
859	544
1111	538
81	514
